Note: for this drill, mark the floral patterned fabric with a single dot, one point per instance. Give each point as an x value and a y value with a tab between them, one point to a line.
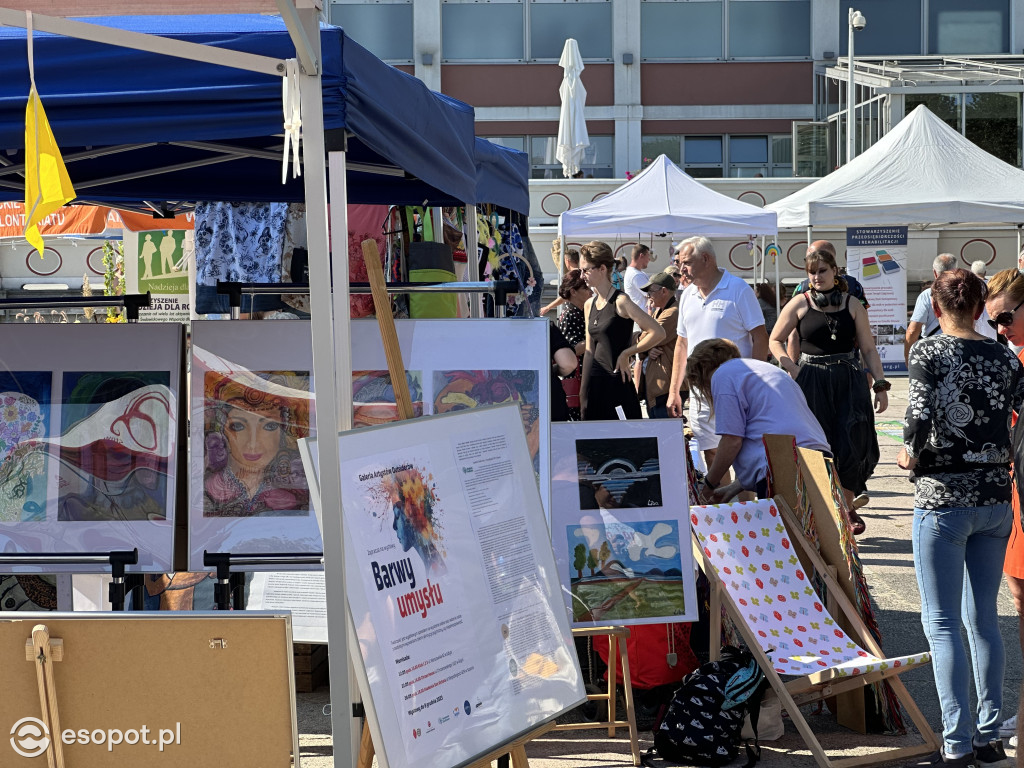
239	242
961	397
749	547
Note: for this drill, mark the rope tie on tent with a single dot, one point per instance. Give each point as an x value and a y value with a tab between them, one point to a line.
290	99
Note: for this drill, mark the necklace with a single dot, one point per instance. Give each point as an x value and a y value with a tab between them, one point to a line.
832	323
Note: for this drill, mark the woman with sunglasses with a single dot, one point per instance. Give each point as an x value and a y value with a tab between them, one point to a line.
609	315
956	441
1003	303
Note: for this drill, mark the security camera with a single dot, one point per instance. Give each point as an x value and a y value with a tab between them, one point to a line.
857	20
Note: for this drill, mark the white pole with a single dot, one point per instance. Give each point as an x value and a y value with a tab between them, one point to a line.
332	377
778	287
851	99
473	261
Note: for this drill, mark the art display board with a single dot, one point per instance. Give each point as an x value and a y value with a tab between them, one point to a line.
463	644
90	432
225	697
620	512
454	365
451	365
251	400
877	257
160	262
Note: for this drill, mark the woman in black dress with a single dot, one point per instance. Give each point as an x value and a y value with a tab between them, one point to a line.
830	374
574	292
610	315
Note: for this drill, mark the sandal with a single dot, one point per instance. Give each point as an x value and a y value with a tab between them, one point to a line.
857	524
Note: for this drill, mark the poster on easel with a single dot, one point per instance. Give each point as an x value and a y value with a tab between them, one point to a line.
159	262
251	401
463	643
877	257
89	442
619	525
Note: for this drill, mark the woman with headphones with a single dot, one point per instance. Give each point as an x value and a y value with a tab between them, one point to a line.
831	328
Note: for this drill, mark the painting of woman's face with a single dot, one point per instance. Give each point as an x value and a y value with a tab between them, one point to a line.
254	438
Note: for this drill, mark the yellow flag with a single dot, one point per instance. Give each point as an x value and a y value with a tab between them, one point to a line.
47	184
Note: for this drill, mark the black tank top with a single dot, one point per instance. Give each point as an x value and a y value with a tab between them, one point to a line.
829	333
611	335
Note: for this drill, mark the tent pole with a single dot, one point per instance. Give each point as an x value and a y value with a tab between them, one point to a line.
473	260
561	250
778	287
332	372
762	261
1018	244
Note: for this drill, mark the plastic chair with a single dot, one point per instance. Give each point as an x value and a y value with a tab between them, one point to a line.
785	624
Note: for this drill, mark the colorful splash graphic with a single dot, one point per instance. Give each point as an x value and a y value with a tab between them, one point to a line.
406	500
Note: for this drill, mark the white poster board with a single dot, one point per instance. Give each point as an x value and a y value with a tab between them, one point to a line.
89	442
877	257
160	262
252	399
304	595
619	524
463	643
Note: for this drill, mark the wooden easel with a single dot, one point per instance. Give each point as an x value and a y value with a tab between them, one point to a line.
44	652
396	368
617	637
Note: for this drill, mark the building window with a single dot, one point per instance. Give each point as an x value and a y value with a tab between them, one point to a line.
661	22
766	29
517	30
894	27
720	156
975	27
695	29
486	31
598	158
384	29
590	24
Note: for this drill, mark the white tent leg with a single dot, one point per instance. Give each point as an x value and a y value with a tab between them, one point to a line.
1018	244
561	251
331	378
472	261
762	262
778	289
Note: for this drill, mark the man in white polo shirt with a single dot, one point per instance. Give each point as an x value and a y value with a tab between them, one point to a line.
715	305
634	279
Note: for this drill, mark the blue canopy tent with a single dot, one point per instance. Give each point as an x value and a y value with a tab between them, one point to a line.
138	126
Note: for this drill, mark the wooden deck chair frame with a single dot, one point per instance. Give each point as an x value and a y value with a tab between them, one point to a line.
820	685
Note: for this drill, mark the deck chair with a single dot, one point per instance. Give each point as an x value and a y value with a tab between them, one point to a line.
748	556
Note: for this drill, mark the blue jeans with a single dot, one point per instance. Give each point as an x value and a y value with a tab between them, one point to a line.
958	558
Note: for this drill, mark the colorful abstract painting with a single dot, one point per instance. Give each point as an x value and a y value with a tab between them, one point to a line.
373	397
251	424
24	417
116	443
461	390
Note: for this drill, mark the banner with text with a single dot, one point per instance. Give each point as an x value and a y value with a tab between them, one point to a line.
877	257
158	262
462	633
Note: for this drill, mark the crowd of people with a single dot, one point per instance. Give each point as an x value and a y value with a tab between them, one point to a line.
695	338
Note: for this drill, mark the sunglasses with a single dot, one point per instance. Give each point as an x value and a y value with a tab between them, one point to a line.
1004	318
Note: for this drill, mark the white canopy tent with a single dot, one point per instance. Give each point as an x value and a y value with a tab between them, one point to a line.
663	198
921	172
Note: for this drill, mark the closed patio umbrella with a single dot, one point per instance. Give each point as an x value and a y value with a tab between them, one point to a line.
572	127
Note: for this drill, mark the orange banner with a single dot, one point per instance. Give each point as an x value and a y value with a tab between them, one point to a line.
86	220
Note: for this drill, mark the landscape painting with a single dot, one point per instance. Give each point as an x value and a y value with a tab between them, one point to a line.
621	571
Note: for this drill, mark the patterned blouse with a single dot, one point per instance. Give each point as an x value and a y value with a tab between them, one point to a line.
572	325
962	395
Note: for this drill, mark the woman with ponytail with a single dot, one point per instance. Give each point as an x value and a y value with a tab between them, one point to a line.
963	390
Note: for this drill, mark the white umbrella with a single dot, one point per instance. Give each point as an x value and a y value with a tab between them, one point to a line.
572	128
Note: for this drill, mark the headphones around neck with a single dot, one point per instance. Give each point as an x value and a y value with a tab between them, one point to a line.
832	297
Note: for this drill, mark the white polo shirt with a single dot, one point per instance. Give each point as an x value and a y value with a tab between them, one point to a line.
730	312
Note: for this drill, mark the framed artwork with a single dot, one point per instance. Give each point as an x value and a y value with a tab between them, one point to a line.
252	400
255	379
456	365
619	524
461	640
89	442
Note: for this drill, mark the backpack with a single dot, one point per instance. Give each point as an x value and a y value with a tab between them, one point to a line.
703	722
